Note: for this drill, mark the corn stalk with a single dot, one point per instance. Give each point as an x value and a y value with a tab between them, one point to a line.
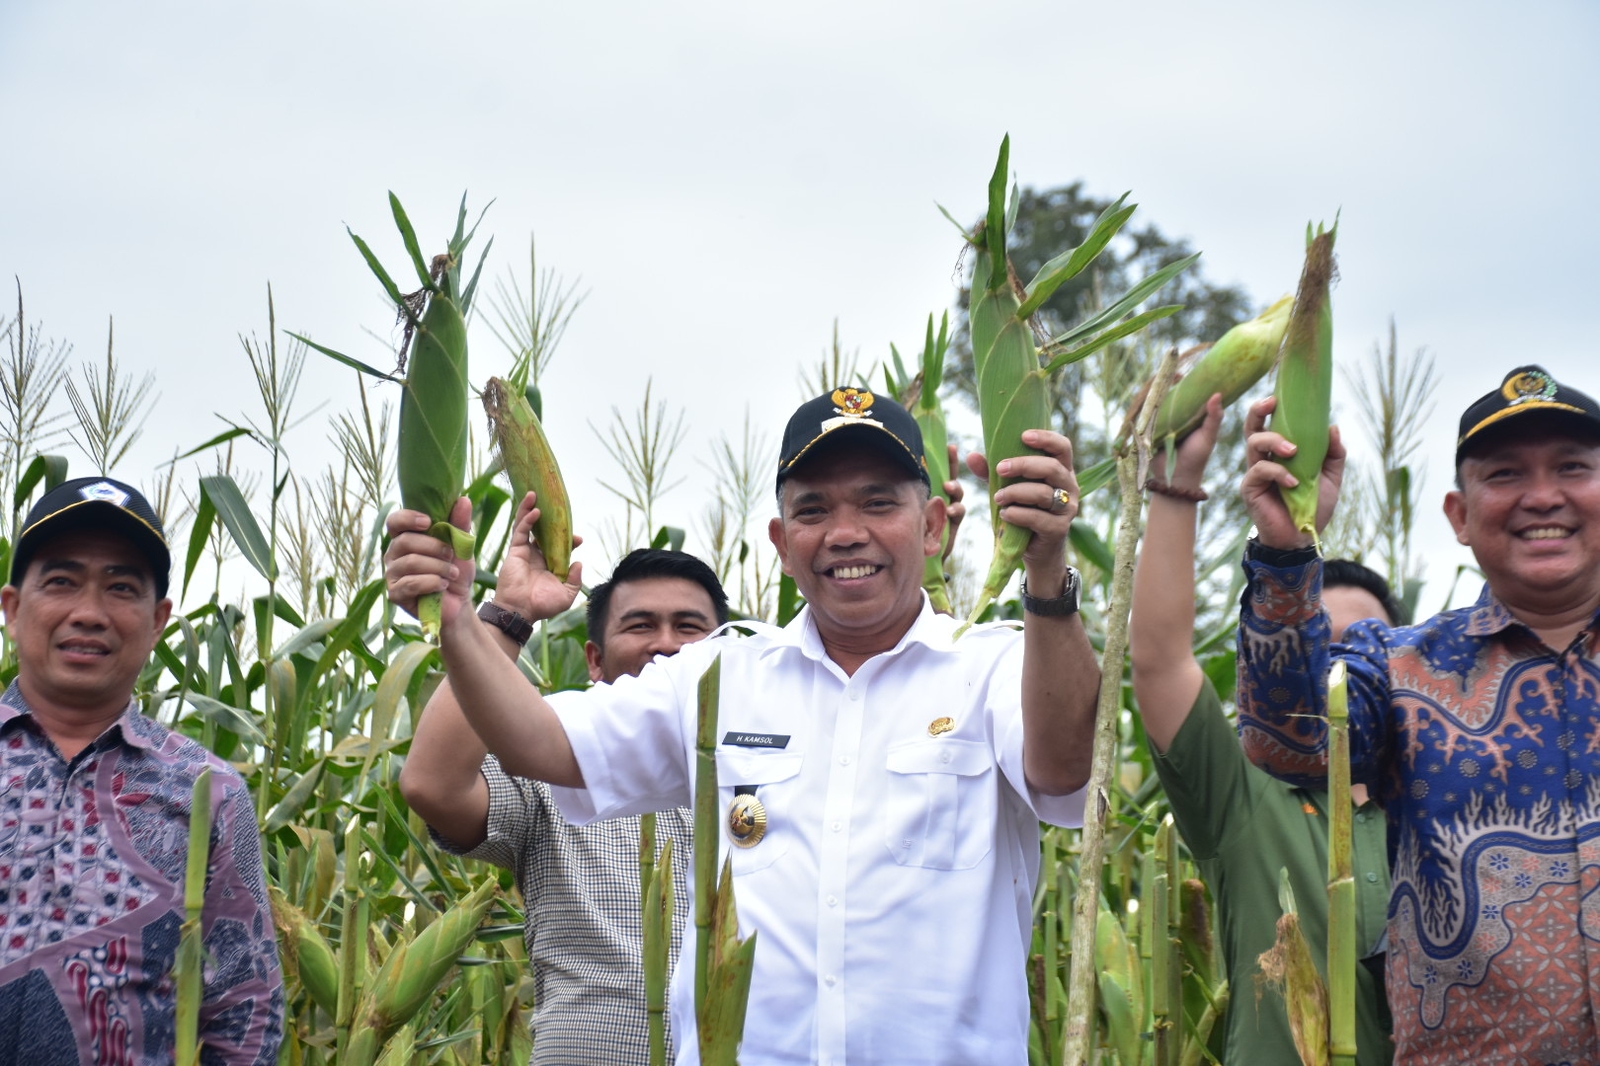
1341	878
189	970
919	394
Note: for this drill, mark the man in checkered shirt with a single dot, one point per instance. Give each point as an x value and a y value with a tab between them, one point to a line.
580	885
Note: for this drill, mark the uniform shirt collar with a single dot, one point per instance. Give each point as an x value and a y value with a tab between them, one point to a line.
928	628
129	727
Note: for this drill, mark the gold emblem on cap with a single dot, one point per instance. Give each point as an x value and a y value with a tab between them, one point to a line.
747	821
941	725
852	401
1528	385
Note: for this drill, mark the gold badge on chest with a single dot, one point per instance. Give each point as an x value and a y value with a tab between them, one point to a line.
941	725
747	821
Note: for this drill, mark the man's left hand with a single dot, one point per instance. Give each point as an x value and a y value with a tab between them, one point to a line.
525	584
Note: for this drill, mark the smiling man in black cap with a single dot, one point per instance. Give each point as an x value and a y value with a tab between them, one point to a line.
1478	730
882	783
94	812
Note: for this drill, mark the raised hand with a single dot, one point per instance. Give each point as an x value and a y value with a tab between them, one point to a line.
1264	474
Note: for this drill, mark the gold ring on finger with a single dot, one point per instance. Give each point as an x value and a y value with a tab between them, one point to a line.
1060	500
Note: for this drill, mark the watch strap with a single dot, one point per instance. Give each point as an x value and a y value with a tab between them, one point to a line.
509	622
1060	606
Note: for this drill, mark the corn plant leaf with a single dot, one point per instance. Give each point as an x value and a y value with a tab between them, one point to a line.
306	637
994	233
472	286
668	537
199	531
51	469
353	626
241	524
1069	264
965	233
221	438
295	799
396	297
226	716
1091	546
348	360
1112	335
1129	300
1096	477
392	688
409	236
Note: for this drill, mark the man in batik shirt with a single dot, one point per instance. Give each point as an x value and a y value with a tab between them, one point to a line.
94	814
1478	730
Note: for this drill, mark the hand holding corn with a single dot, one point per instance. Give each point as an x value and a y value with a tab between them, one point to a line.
1031	502
1192	453
418	564
525	583
1266	475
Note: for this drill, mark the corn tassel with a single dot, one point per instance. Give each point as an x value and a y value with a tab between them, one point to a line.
723	963
1305	380
530	463
412	971
304	948
1013	387
1341	878
189	968
1231	366
433	403
919	394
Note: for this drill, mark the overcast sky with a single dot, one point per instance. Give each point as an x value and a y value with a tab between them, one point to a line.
727	178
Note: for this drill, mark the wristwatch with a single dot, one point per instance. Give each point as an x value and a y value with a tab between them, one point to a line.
507	621
1058	606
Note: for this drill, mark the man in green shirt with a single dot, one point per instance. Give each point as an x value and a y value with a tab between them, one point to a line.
1242	826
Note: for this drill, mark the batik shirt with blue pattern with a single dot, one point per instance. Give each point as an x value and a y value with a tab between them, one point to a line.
1483	744
93	852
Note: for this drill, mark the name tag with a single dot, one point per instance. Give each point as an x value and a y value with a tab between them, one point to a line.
757	740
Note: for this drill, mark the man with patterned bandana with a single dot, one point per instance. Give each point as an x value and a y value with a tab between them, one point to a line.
1479	729
94	813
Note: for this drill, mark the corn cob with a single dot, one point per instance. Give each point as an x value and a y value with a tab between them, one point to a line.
657	928
411	973
1289	968
1341	878
530	463
919	394
1305	380
1013	388
723	963
433	402
1238	360
189	967
304	948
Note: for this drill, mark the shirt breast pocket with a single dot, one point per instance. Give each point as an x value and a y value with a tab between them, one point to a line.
940	804
772	774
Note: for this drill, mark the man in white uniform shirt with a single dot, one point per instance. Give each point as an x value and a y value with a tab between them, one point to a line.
902	774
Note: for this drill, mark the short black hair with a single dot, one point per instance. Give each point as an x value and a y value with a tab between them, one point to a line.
1351	574
643	564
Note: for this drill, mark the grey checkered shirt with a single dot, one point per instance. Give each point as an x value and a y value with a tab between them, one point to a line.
580	887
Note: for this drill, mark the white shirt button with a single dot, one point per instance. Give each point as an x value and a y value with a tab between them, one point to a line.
837	826
844	760
830	980
833	901
944	756
855	695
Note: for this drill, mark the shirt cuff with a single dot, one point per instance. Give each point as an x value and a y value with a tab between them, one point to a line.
1284	587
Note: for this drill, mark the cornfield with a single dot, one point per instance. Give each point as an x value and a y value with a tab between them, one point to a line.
395	951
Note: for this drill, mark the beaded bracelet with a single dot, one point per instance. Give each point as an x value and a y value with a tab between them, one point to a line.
1172	492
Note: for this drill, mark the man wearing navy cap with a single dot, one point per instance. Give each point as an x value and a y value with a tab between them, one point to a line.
1478	730
94	813
882	783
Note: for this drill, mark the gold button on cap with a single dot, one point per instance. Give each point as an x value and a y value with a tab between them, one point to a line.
747	821
940	725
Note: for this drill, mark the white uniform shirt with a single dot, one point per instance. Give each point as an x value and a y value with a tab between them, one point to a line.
893	889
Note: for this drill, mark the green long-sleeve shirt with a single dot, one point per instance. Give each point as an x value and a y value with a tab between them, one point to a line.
1243	827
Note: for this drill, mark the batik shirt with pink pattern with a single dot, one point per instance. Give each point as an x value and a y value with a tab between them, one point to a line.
1483	744
92	859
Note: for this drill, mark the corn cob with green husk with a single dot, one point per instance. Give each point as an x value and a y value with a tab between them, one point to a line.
1013	387
303	947
723	962
411	972
919	394
1289	968
1341	878
189	967
433	404
530	463
1305	380
1231	366
657	900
